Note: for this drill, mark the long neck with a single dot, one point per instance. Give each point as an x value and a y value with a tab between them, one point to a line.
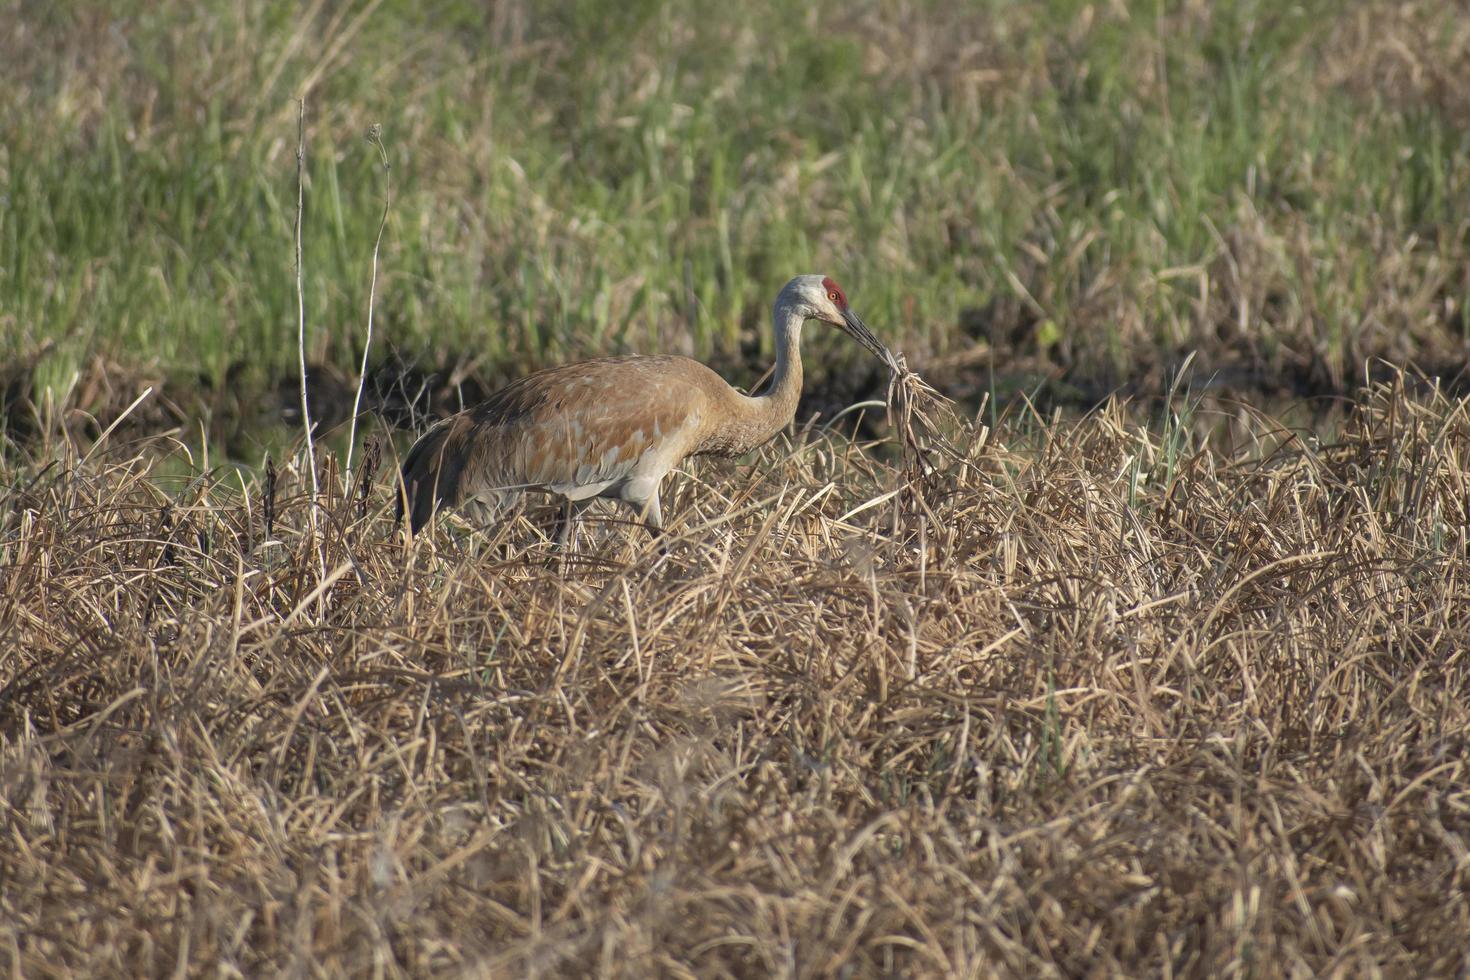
755	420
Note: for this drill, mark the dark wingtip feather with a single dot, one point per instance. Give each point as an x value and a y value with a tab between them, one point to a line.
430	478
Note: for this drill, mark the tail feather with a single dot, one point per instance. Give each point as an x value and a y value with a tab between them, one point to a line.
431	476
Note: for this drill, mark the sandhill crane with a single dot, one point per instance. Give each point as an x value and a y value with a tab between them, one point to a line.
614	426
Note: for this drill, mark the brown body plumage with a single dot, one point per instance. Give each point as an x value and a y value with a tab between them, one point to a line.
613	427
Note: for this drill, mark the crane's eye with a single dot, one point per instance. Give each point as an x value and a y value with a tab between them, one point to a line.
832	297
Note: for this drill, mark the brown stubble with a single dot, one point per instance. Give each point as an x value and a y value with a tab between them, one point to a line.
1100	716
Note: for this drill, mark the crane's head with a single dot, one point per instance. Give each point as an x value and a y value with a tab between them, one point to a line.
820	298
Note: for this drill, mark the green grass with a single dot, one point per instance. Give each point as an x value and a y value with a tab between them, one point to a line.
1113	184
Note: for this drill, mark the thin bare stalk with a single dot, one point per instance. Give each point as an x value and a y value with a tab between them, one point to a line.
301	305
375	137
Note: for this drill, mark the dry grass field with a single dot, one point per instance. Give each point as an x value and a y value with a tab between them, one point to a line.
1095	699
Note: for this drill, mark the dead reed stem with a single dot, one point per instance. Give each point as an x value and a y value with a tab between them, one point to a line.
301	303
375	137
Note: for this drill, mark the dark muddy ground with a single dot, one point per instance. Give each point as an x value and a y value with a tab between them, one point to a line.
405	391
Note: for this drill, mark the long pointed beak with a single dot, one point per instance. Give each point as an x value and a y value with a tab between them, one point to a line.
855	328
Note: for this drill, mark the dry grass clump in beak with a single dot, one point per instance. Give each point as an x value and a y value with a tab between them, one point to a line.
915	412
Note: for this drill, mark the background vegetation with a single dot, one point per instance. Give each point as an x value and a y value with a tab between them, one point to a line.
1077	190
1106	694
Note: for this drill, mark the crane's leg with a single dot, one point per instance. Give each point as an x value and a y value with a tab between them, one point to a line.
564	530
653	518
641	497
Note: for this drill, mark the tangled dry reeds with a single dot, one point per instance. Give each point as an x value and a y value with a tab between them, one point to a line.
1111	702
